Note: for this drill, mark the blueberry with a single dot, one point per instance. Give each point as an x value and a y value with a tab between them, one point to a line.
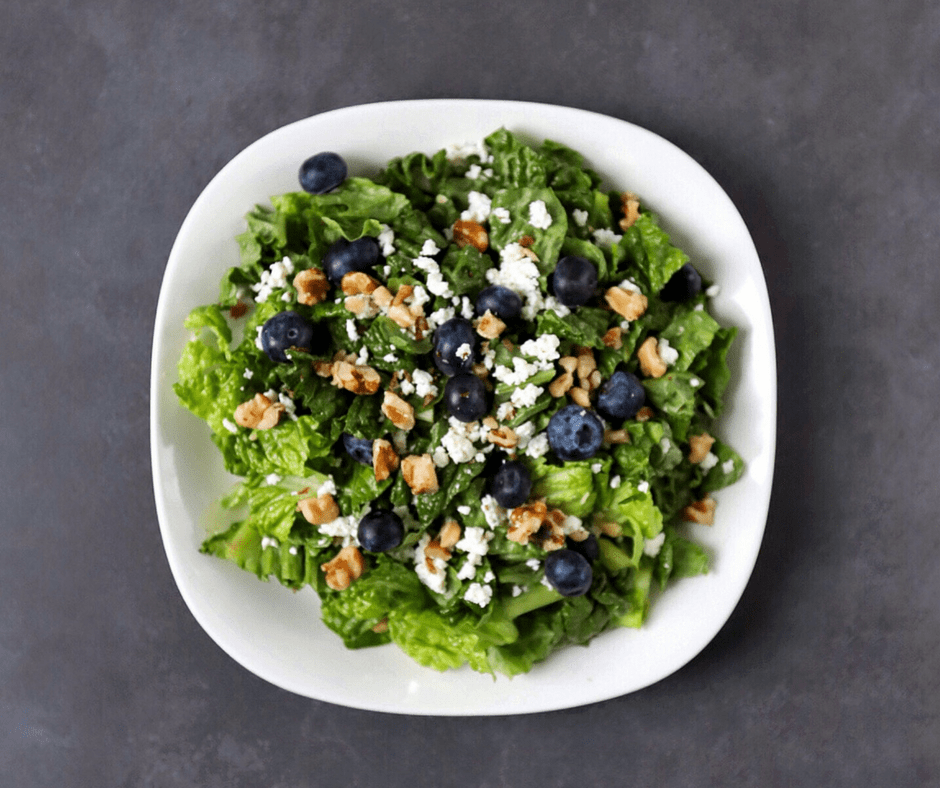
683	285
511	485
344	257
360	449
322	173
569	572
620	397
575	433
287	330
574	280
501	301
589	547
448	351
465	397
380	530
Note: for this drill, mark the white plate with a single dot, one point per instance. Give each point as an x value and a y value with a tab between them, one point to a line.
277	634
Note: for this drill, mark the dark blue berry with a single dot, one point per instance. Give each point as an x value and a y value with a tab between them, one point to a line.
574	280
511	484
287	330
620	397
569	572
682	285
449	355
345	257
501	301
589	547
380	530
465	397
322	173
360	449
575	433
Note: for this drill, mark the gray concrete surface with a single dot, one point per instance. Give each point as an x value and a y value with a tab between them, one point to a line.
820	119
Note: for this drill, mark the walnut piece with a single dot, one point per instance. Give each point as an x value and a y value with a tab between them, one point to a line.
503	436
312	286
580	397
259	413
699	446
357	379
561	385
626	303
468	233
420	473
536	522
434	549
348	565
450	534
613	338
384	459
358	283
615	437
399	412
651	364
630	204
319	510
489	326
701	512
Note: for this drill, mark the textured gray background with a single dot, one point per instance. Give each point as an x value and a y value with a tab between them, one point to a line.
819	118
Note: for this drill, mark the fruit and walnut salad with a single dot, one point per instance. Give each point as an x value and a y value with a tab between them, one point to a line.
470	401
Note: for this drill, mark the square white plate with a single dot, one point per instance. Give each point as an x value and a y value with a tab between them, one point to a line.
277	634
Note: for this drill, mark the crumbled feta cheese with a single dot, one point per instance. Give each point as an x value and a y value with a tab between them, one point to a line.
466	308
539	217
615	482
230	425
630	285
464	510
274	278
327	488
438	285
665	445
479	594
258	338
517	590
292	549
429	248
345	528
424	383
526	397
440	316
363	358
538	446
580	217
351	331
390	358
520	371
695	383
505	411
572	525
544	349
667	352
495	514
461	151
464	351
501	214
272	478
406	387
267	541
651	547
440	458
458	446
596	467
698	308
605	238
643	487
385	239
534	564
478	209
519	273
474	171
436	578
419	297
727	466
248	374
710	461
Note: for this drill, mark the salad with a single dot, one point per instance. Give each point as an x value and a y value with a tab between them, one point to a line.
469	401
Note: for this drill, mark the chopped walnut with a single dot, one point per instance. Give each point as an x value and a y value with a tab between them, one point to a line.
357	379
645	413
381	627
568	364
348	565
610	529
323	368
561	385
580	397
402	315
434	550
450	534
594	380
358	283
626	303
526	241
490	423
701	512
489	326
312	286
468	233
503	436
258	413
615	437
319	510
530	254
384	459
237	310
613	338
630	204
362	306
651	364
536	522
404	293
699	446
586	365
420	473
383	297
399	412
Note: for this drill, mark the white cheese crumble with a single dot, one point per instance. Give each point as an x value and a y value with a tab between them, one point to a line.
424	383
458	152
274	278
351	331
596	467
544	349
248	374
727	466
327	488
500	214
268	541
464	351
534	564
709	462
505	411
272	479
478	209
390	358
229	425
538	446
440	316
435	579
605	238
495	514
651	547
479	594
475	541
643	487
464	510
539	217
429	248
385	239
526	397
580	217
615	482
667	352
345	528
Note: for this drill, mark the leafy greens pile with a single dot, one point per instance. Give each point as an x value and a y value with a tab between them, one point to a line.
631	495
